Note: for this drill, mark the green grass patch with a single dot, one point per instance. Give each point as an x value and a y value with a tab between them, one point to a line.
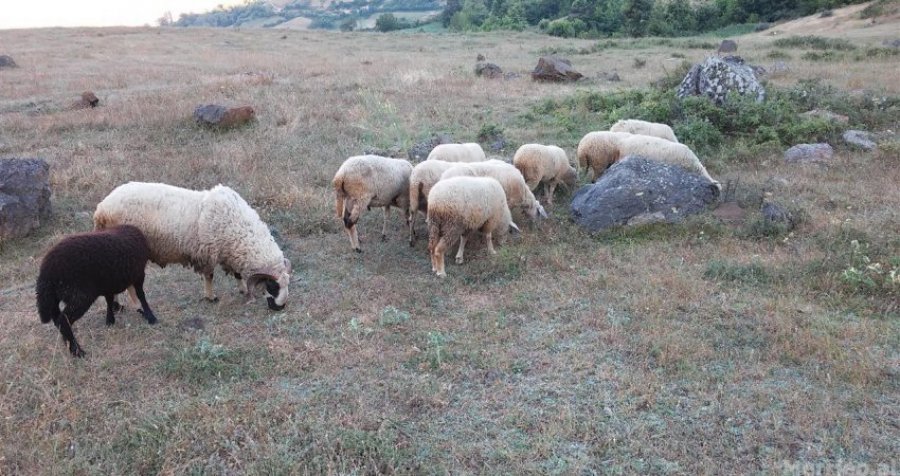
741	129
748	274
205	363
813	42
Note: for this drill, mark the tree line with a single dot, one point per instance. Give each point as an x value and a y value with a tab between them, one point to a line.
596	18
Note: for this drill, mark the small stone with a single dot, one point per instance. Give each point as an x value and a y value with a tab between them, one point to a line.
6	61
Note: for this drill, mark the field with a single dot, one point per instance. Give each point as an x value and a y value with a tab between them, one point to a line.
697	348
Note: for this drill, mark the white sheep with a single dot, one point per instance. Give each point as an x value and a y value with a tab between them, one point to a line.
468	152
518	195
547	164
366	181
424	175
598	150
664	151
459	206
201	229
637	126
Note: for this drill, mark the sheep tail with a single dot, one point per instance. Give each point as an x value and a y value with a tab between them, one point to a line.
47	301
339	196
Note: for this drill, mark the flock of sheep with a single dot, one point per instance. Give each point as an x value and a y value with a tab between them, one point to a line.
457	187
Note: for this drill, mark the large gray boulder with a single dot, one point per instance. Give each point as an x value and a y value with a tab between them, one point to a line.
554	68
636	191
715	77
24	196
862	139
820	153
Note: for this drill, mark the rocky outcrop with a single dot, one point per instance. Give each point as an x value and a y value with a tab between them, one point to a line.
554	68
221	116
24	196
715	77
637	191
809	154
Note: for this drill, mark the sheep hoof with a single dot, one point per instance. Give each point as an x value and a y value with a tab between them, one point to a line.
77	352
212	299
110	321
459	261
358	250
151	319
383	237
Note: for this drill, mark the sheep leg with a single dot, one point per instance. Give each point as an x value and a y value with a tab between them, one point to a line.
461	250
549	188
352	211
438	256
208	286
387	212
489	243
111	307
72	312
132	296
148	314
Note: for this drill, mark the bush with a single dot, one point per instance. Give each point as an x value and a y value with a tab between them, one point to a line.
741	129
566	28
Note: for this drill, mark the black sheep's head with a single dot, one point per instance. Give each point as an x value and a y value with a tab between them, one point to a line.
275	280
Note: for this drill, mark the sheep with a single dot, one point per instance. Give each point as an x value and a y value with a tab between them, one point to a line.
664	151
366	181
468	152
424	175
518	195
598	150
636	126
459	206
544	163
85	266
202	229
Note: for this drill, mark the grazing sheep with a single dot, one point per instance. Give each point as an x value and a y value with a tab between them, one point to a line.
547	164
459	206
83	267
518	195
424	175
468	152
202	229
366	181
664	151
599	150
636	126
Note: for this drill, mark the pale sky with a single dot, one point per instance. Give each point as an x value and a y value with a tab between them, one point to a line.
46	13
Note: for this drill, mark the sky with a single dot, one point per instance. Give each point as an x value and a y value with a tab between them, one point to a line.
48	13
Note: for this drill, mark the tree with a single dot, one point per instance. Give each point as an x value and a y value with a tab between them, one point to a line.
387	22
450	9
166	19
636	16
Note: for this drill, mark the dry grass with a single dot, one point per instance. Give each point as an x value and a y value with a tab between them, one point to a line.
564	354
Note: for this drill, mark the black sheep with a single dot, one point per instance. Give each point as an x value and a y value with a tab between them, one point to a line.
85	266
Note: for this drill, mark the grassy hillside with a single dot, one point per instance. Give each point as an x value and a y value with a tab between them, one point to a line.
698	348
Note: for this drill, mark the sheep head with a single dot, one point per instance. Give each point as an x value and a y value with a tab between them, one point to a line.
276	280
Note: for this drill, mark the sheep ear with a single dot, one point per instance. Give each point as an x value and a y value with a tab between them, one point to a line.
513	228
